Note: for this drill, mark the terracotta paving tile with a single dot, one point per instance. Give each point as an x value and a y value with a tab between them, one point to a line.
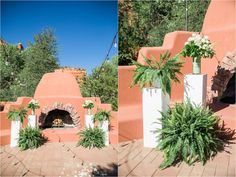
124	155
147	167
210	169
170	171
185	170
231	171
54	159
9	165
132	162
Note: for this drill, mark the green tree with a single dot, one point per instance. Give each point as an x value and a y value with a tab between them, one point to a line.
103	83
176	20
11	64
145	23
21	70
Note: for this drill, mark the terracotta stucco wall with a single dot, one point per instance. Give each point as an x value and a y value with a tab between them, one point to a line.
219	25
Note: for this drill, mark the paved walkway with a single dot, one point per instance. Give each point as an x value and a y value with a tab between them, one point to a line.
58	159
135	160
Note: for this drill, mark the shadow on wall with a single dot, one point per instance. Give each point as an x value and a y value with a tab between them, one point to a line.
112	170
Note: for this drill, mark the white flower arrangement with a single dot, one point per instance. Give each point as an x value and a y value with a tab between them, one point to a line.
198	46
33	105
88	104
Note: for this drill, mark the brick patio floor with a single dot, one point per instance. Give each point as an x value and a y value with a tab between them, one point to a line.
58	159
135	160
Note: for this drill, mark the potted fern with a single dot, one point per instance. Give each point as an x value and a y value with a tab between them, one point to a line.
103	118
91	138
155	79
33	105
17	117
189	134
88	105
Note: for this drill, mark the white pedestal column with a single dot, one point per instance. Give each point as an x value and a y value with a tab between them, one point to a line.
105	127
15	130
154	102
32	121
89	121
195	89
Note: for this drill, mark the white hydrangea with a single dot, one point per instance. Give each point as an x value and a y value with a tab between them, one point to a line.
33	101
203	42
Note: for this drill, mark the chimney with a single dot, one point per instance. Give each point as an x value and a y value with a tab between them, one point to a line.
2	42
20	46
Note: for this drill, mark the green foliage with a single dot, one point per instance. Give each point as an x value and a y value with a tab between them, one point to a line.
40	58
103	83
145	23
33	105
21	70
92	138
165	71
88	104
188	133
17	114
30	138
102	115
11	64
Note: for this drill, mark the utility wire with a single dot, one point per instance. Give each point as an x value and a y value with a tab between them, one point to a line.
107	55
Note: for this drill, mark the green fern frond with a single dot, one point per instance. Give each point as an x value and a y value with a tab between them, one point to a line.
188	134
165	71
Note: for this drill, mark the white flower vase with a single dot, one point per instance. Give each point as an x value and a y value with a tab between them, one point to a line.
89	121
105	127
15	130
197	65
154	102
88	111
32	121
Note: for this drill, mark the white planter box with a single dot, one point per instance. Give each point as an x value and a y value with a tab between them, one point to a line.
89	121
15	130
32	121
195	89
154	102
105	127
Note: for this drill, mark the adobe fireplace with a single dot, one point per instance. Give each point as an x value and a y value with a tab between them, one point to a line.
61	102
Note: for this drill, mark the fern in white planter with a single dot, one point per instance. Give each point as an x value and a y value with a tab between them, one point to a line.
17	117
103	118
155	79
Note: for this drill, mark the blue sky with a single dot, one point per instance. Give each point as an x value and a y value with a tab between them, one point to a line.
84	29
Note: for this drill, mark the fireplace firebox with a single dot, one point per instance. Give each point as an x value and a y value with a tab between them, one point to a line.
58	119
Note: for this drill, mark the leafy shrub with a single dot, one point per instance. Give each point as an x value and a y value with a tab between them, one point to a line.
30	138
165	71
188	133
19	114
102	115
91	138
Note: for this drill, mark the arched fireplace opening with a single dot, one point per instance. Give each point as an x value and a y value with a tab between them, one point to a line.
228	95
58	119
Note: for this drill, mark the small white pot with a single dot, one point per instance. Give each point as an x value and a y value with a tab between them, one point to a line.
89	121
32	121
105	127
154	102
15	130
